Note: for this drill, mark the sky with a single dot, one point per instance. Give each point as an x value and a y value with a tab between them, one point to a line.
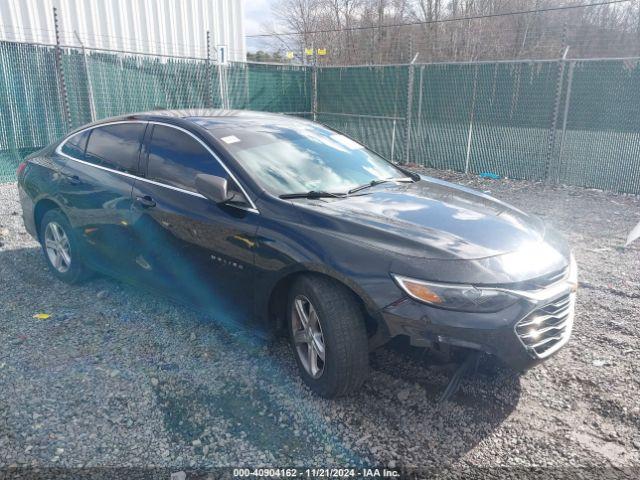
256	13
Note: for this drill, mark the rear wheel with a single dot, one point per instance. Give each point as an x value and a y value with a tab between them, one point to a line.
328	336
60	248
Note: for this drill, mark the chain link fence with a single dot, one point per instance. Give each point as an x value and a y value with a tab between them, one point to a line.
569	121
47	90
599	143
31	113
493	117
564	121
367	103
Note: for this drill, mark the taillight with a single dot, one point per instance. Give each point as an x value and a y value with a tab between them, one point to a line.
21	168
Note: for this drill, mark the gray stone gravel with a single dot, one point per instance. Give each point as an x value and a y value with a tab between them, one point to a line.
121	377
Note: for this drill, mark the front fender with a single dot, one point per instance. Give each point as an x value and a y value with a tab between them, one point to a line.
285	246
271	285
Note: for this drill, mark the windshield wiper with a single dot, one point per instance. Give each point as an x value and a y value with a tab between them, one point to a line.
312	194
379	181
322	194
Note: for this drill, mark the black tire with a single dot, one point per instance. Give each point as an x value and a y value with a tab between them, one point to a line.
346	351
76	270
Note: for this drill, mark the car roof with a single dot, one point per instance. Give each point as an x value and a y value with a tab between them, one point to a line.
204	119
200	115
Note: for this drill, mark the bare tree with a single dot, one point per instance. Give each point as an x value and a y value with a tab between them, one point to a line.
368	31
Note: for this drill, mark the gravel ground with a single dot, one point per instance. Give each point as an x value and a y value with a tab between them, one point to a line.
119	377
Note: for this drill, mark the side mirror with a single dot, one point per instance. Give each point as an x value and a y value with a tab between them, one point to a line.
214	188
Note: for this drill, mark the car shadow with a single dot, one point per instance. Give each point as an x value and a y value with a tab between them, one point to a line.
412	381
247	391
489	381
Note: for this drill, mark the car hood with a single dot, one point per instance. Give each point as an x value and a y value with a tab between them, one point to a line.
429	223
436	230
447	220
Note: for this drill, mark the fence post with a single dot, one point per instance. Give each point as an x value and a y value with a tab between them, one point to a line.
567	102
247	93
62	86
92	107
551	141
407	133
314	87
393	140
224	93
209	97
472	114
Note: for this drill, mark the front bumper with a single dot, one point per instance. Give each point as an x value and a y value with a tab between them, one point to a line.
521	335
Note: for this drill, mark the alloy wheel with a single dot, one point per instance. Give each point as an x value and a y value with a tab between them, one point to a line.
57	247
307	336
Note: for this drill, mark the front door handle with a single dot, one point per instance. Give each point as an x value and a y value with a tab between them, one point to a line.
146	201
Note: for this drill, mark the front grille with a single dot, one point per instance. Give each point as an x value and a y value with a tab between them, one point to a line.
544	281
547	328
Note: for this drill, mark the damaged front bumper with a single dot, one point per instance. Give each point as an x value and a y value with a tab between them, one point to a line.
521	335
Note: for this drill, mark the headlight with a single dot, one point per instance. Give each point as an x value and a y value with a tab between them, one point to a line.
465	298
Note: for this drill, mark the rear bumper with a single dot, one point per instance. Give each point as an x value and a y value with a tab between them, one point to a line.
515	334
27	212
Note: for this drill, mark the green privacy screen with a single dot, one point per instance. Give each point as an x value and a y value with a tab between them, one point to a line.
367	103
484	117
30	108
574	122
601	145
267	87
103	84
480	117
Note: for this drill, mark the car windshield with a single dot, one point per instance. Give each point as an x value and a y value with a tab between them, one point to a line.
300	157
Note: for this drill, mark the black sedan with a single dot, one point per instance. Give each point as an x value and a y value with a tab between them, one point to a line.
286	223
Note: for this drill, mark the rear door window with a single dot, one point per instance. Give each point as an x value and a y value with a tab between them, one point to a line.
175	158
76	144
116	146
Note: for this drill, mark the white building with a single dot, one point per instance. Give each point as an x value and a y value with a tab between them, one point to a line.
168	27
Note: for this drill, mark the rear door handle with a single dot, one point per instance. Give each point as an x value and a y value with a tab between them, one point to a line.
73	179
146	201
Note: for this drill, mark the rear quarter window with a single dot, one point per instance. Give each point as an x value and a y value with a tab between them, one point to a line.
76	144
116	146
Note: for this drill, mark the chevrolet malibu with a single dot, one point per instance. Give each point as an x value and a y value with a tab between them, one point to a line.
286	223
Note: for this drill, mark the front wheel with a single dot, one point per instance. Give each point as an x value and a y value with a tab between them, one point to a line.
328	335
